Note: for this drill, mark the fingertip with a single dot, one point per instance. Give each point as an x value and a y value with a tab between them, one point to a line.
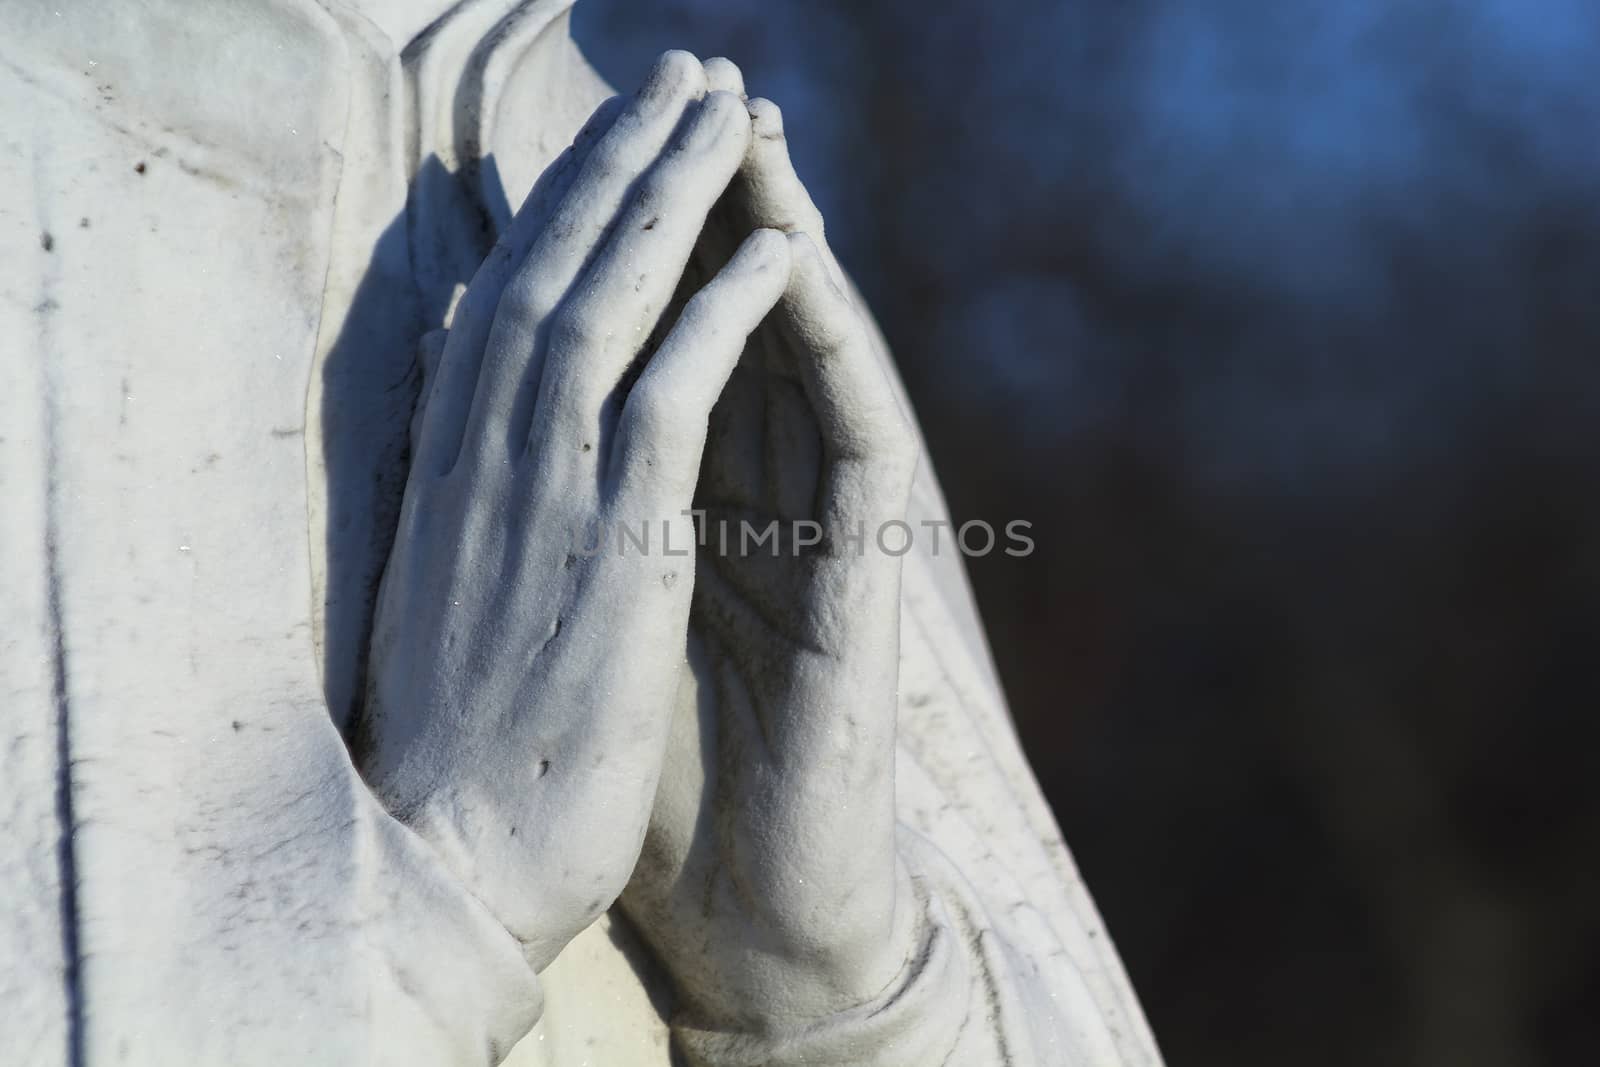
725	106
674	71
723	112
676	64
767	248
724	101
766	118
723	74
773	193
764	260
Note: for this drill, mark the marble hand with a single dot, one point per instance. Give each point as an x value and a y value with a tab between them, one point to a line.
769	884
521	687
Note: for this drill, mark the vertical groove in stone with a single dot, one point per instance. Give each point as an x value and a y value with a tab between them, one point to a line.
66	854
66	851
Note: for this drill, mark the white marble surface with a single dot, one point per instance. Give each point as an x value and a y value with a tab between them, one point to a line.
231	227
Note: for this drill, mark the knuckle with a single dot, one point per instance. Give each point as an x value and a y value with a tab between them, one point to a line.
573	330
658	438
657	188
831	340
891	447
523	300
898	449
611	153
568	395
700	313
650	415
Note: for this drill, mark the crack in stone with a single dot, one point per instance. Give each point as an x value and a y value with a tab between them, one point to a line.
66	852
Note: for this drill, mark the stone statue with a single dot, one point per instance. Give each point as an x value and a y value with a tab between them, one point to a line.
327	738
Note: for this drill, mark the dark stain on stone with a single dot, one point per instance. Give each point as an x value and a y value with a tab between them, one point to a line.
139	167
214	177
555	631
47	242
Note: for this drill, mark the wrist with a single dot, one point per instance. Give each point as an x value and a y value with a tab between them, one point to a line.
788	976
901	1002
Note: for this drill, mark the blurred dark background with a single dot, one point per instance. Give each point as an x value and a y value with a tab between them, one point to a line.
1281	322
